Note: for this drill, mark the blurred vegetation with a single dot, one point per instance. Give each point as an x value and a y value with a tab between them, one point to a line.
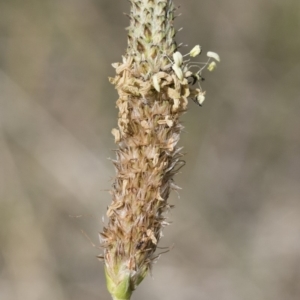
236	224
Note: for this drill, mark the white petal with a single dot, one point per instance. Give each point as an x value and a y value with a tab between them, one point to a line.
211	66
177	56
214	55
195	51
116	133
178	71
115	65
200	99
155	83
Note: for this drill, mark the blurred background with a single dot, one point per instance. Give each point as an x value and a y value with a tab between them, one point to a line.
236	224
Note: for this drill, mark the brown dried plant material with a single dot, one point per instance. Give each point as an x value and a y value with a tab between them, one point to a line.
153	93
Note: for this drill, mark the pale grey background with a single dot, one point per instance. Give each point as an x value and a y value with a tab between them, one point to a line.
236	226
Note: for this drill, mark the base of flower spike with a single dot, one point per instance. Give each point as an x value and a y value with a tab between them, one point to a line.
121	290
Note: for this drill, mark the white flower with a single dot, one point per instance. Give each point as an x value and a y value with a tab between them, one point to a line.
214	55
178	71
200	98
211	66
177	56
195	51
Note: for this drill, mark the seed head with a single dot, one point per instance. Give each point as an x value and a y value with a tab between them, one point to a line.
153	87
